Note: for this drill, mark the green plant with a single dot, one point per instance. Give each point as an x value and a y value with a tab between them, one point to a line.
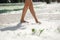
40	31
33	31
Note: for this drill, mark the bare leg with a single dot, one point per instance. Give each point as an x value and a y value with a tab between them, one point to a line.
32	11
24	11
28	4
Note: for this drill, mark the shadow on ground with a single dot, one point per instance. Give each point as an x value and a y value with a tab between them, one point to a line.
13	28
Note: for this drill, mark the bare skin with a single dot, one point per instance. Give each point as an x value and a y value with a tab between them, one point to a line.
28	4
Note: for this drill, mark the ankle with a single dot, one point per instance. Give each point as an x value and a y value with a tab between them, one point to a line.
38	22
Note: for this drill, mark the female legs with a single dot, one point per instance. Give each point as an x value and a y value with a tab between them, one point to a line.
32	11
24	11
28	4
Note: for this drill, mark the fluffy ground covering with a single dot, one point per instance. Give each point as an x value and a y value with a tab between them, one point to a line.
47	14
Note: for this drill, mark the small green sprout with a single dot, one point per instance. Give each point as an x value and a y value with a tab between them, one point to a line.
33	31
41	31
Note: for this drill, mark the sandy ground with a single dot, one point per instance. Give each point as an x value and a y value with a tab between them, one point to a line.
13	18
43	11
11	29
10	18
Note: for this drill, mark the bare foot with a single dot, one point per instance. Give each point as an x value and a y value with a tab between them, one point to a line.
38	22
24	22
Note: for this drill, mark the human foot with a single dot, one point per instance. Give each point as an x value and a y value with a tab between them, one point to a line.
24	22
38	22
